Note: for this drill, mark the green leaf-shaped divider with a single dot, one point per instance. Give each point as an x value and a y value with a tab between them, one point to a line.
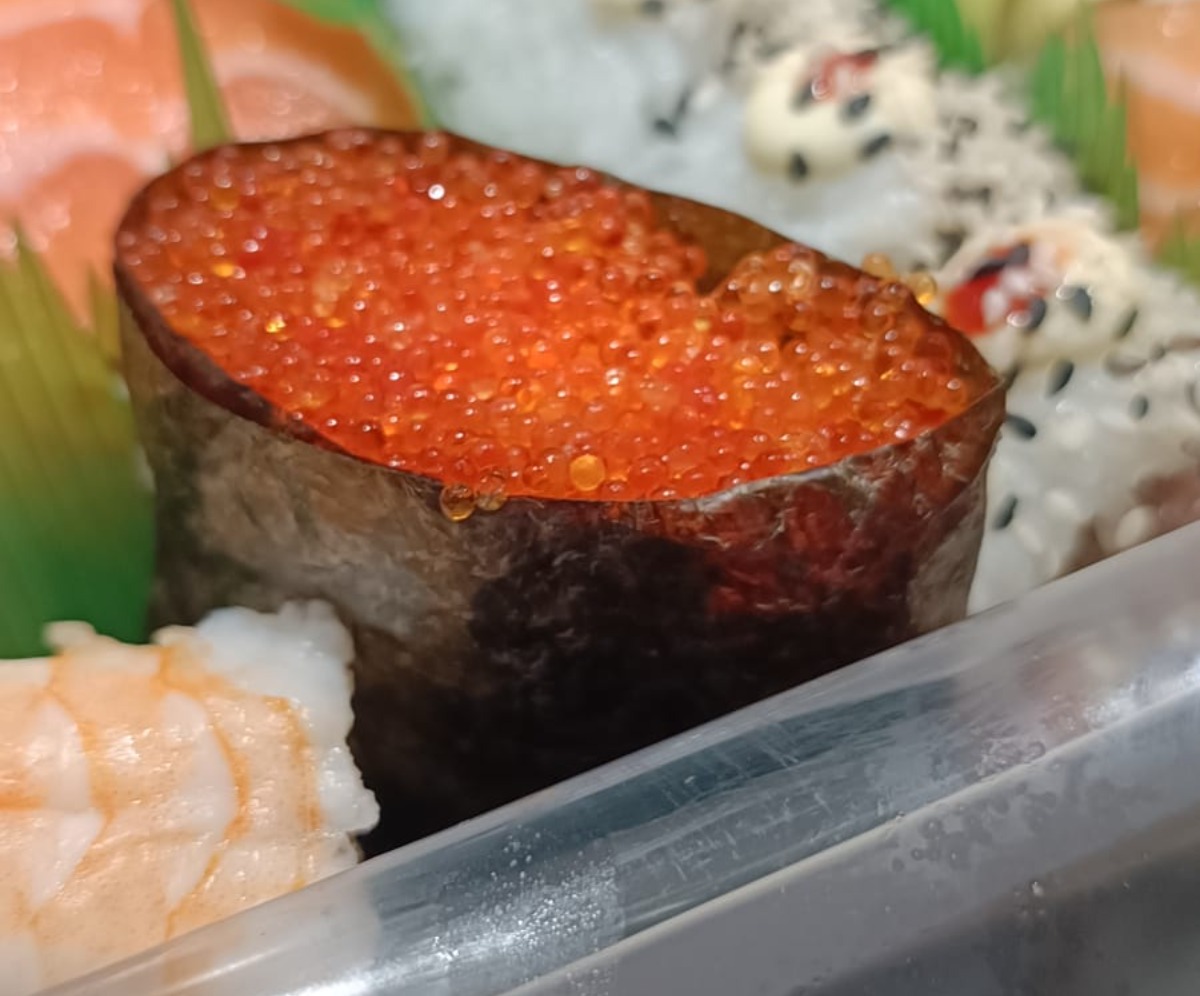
209	123
369	21
75	521
1181	253
346	12
102	313
1070	96
366	17
957	45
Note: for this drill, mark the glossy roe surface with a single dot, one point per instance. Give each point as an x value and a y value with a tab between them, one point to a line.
510	328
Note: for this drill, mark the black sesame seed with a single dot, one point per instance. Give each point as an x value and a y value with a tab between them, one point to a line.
1193	396
1139	408
1019	255
1127	323
1021	426
1034	315
875	146
981	194
1060	376
1005	513
798	167
1010	376
857	107
1079	300
988	269
669	124
951	242
738	32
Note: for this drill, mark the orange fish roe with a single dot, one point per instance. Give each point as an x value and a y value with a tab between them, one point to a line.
511	328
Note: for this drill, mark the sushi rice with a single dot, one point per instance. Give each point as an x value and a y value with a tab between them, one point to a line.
149	790
706	99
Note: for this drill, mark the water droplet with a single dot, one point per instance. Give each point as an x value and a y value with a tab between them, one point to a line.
879	265
923	286
457	502
491	496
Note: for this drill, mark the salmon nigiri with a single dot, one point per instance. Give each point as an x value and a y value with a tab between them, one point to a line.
93	104
149	790
1153	51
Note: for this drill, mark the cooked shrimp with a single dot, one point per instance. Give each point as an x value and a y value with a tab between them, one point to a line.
148	790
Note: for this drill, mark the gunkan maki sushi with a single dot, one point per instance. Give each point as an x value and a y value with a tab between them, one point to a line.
579	465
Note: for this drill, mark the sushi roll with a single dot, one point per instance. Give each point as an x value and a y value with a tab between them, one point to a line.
581	466
1035	292
149	790
1017	29
1101	446
985	167
821	111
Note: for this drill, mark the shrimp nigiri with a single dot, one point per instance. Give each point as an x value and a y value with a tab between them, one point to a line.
149	790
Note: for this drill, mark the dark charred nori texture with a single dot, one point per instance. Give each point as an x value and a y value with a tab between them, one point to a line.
499	655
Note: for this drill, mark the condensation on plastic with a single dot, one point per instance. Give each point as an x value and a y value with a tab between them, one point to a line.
991	809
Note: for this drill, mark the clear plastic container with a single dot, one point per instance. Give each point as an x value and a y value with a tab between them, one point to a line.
1011	805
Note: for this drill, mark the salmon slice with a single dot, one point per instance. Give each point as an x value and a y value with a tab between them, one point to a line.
92	103
1153	50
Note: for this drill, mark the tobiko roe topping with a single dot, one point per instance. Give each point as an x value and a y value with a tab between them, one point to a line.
512	328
